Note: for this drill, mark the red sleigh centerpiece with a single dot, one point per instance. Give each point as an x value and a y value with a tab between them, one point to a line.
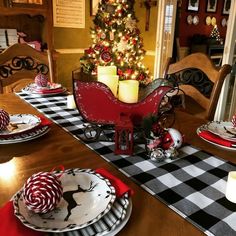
99	107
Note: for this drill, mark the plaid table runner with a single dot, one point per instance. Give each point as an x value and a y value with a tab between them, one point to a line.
192	185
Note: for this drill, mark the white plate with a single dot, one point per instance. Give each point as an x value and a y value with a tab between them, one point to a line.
24	137
223	129
93	194
30	89
123	223
208	20
216	144
110	224
23	122
223	22
189	19
195	20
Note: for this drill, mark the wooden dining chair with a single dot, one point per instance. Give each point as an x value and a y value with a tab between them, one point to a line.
19	64
200	81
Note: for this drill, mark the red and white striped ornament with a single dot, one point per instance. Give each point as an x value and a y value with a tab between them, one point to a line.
41	80
234	121
42	192
4	119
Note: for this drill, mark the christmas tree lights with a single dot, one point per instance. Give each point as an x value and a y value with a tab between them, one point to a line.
215	34
116	41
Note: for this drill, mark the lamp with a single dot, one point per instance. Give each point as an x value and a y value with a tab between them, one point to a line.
231	187
128	91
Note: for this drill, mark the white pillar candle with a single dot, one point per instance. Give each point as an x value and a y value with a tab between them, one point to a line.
111	81
128	91
71	102
231	187
106	70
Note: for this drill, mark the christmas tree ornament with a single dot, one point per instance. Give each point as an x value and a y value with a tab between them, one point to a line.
103	35
172	138
41	80
130	24
42	192
111	35
106	56
122	45
157	155
171	152
234	121
4	119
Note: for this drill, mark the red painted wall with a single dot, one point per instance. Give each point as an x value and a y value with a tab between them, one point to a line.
186	30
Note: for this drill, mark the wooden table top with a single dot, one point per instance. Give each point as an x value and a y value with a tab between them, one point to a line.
149	215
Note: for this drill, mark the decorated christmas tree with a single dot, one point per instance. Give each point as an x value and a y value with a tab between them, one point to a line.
116	41
215	34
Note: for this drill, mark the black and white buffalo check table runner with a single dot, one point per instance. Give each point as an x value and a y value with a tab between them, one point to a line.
192	185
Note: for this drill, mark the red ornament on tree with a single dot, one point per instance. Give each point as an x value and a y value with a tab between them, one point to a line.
89	51
42	192
4	119
41	80
97	47
120	72
106	56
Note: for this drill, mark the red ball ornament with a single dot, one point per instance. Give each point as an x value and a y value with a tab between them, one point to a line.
41	80
234	121
120	72
172	138
106	56
4	119
42	192
97	48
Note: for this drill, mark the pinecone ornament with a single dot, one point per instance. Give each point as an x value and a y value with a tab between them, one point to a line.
4	119
41	80
234	121
42	192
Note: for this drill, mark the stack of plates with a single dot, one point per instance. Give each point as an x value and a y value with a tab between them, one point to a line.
25	127
219	133
88	207
50	90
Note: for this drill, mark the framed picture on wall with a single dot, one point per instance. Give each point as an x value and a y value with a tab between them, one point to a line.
211	6
226	7
193	5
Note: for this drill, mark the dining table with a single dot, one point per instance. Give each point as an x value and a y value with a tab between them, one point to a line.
149	216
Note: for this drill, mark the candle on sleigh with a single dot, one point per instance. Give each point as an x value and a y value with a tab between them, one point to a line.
106	70
231	187
128	91
71	102
111	81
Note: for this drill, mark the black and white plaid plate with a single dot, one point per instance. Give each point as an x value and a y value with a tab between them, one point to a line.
192	185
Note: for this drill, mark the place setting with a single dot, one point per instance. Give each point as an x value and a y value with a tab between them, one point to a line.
219	133
43	87
69	202
17	128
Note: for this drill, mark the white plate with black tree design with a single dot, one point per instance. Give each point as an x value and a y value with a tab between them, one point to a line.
110	224
223	129
87	196
26	136
20	123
